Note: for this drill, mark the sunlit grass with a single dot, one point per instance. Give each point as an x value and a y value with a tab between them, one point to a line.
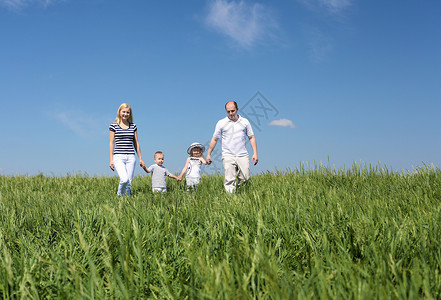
364	232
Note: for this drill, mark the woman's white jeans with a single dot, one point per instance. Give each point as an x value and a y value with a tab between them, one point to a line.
125	167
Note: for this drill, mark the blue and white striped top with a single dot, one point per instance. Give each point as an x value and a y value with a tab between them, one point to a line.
124	138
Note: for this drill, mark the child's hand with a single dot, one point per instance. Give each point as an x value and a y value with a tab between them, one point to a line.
179	178
173	176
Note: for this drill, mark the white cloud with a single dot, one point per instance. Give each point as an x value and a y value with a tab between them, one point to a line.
244	23
282	123
82	126
335	6
319	45
20	4
331	6
320	40
13	4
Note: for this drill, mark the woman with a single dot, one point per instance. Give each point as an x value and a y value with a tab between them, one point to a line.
123	142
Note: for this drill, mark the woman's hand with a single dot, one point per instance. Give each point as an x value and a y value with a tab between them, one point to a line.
112	166
141	163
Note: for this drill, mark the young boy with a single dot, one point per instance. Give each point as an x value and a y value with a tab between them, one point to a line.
159	172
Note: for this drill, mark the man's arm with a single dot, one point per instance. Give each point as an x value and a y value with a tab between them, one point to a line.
213	143
253	143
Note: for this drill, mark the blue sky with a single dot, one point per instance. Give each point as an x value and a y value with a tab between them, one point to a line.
337	80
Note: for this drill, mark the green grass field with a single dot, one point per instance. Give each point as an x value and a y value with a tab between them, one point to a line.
361	233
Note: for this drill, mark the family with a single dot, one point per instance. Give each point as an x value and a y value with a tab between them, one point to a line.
233	130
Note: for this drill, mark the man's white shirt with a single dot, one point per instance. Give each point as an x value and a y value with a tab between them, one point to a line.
234	135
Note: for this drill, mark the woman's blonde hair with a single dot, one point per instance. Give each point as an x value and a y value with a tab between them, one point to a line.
124	105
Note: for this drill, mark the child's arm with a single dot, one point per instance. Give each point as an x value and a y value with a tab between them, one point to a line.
185	168
173	176
146	169
203	160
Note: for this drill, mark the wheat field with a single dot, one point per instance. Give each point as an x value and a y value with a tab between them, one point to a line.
309	233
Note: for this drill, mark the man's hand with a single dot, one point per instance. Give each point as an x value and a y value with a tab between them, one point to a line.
255	159
213	143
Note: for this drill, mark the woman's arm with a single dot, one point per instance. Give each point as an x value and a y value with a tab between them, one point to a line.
111	148
138	150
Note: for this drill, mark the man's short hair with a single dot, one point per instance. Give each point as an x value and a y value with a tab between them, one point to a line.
235	104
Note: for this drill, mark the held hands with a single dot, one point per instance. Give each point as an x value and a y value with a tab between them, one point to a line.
112	165
173	176
141	163
145	169
208	159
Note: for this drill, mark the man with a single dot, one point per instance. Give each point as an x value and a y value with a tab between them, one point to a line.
234	130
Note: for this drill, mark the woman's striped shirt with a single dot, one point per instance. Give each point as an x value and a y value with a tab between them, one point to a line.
124	138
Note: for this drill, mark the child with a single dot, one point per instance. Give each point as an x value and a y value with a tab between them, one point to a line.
193	165
159	172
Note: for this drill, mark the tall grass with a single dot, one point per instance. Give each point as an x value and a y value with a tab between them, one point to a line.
364	232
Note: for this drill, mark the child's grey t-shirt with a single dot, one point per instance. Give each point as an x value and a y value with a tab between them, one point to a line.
158	176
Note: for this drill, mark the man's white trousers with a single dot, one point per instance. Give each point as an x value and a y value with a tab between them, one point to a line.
235	167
